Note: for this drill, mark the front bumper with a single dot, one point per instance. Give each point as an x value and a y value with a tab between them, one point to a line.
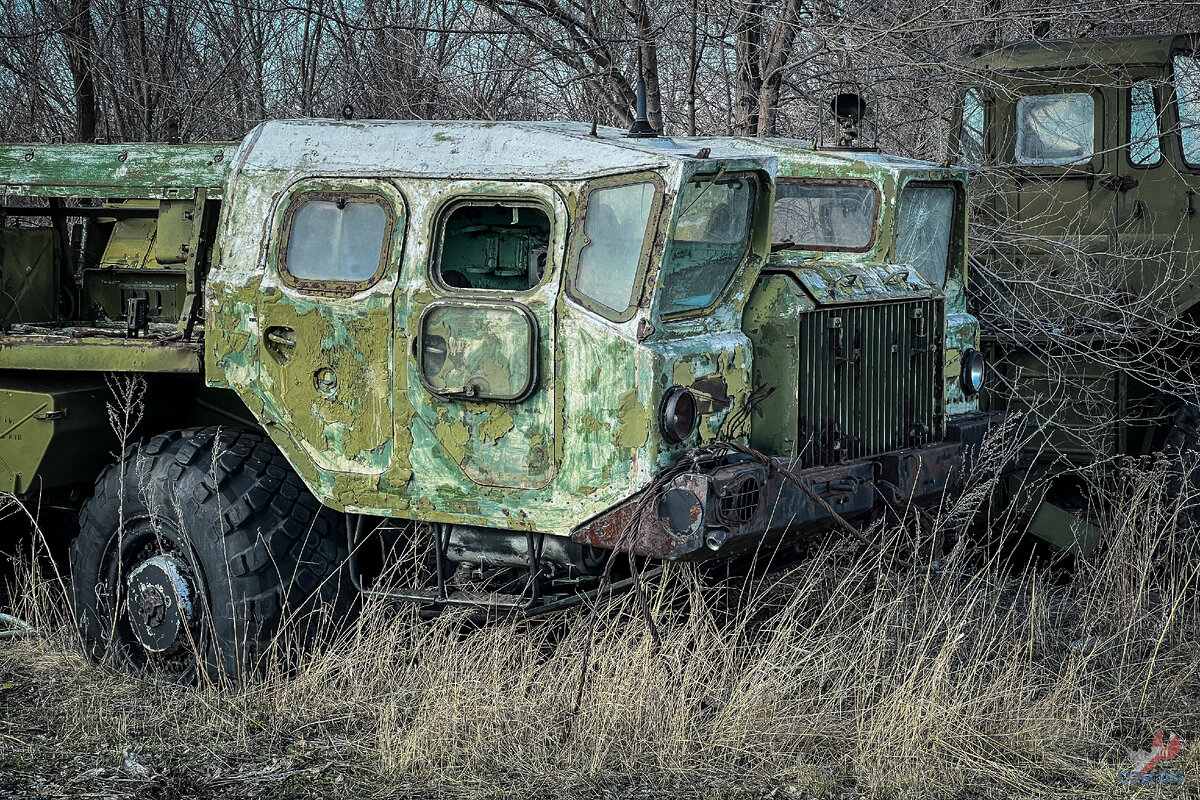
735	504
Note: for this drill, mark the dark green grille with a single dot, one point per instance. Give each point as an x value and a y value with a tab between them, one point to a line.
870	379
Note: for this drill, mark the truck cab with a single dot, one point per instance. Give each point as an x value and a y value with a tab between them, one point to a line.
1085	165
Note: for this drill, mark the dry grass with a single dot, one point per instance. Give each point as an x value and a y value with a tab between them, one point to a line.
978	675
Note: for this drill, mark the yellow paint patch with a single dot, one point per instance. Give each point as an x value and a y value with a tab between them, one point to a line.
497	423
632	423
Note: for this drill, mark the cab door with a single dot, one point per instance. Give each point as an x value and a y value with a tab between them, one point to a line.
1159	178
1065	213
481	336
325	320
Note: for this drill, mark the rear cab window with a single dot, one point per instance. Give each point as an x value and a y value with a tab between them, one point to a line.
824	215
336	241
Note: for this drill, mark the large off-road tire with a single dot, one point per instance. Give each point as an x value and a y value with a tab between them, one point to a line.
1182	449
196	550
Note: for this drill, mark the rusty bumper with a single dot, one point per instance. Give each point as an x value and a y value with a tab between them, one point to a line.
725	507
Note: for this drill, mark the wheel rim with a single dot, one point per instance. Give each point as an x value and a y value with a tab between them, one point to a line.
153	594
159	604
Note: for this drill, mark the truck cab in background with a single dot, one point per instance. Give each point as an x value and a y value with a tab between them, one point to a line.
1085	160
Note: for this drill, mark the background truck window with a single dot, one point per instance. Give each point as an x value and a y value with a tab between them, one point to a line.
970	135
1056	128
1187	89
1144	148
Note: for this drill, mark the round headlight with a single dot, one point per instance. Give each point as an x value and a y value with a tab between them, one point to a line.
678	415
973	369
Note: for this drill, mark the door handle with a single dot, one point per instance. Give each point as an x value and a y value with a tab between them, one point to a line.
280	341
1118	183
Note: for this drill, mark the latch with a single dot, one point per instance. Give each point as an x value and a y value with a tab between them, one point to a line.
1118	183
50	415
137	316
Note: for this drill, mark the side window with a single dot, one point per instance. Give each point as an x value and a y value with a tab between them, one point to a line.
615	227
493	245
1144	148
1187	91
1056	128
336	242
923	229
481	351
970	135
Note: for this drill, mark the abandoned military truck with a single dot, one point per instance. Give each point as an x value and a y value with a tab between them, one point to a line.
1087	161
246	362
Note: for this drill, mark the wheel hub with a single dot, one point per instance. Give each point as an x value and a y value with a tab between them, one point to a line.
160	603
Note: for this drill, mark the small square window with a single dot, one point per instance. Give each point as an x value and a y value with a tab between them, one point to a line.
478	351
336	241
494	246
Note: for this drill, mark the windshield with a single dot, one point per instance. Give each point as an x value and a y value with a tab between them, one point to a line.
812	215
711	235
923	230
1187	88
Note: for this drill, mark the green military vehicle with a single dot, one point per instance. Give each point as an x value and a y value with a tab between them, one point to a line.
1086	159
244	362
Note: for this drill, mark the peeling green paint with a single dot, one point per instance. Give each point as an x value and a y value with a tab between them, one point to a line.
632	428
498	422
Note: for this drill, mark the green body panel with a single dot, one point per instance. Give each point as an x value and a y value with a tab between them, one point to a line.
773	325
96	354
28	261
47	430
113	170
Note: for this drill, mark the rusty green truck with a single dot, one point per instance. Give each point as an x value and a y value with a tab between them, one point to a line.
530	336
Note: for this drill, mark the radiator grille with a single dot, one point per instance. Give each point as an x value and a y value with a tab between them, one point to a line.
870	379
